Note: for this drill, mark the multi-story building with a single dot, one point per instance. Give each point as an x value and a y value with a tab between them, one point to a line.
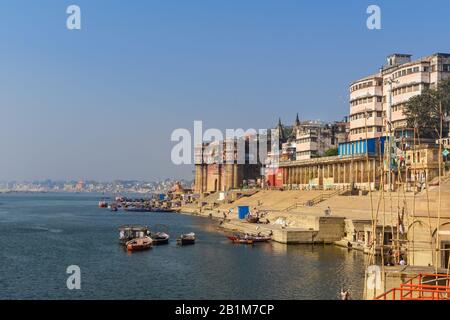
394	84
218	166
314	138
366	108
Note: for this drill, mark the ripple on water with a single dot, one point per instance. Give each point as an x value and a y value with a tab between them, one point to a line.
62	230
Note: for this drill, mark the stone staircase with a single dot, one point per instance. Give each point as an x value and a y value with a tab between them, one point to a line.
316	200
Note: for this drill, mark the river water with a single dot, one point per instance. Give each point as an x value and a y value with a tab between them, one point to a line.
42	234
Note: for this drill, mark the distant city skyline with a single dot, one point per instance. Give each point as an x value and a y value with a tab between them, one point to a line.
101	103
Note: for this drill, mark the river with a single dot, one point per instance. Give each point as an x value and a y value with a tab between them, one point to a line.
42	234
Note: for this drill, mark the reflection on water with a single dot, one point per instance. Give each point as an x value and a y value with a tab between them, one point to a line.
63	229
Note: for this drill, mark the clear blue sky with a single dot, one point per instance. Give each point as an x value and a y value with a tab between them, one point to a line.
101	103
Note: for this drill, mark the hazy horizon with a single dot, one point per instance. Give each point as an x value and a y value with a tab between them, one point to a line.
101	103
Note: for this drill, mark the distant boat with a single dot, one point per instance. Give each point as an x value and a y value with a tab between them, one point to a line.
102	204
249	239
130	232
113	207
139	244
185	239
241	240
164	210
160	238
138	209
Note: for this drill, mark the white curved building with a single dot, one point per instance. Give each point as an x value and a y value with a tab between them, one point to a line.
369	96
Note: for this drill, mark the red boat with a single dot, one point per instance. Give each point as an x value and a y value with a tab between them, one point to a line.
139	244
236	239
102	204
249	239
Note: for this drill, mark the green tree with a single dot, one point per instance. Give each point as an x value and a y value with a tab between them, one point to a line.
424	112
331	152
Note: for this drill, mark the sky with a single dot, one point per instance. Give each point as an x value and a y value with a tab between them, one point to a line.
101	102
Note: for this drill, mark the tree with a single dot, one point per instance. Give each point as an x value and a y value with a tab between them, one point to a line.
331	152
424	112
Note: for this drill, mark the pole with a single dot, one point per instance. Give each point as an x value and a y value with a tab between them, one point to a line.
389	124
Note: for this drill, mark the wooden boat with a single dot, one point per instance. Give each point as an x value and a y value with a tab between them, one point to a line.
160	238
185	239
102	204
130	232
249	239
138	209
240	240
139	244
164	210
260	238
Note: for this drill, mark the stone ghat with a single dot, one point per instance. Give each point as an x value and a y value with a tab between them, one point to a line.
328	231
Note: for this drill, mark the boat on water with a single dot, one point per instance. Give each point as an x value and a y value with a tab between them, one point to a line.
138	209
260	238
164	210
249	239
102	204
113	207
240	240
130	232
160	238
139	244
188	238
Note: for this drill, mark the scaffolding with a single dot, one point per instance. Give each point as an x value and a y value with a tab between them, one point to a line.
423	286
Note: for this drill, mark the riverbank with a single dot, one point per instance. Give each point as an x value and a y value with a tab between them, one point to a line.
299	216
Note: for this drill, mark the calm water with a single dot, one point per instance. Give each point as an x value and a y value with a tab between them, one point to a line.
42	234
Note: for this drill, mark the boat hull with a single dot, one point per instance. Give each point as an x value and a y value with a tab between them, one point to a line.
184	242
139	247
139	244
157	242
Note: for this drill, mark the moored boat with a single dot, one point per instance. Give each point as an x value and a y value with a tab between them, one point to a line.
185	239
139	244
260	238
240	240
160	238
138	209
113	207
102	204
129	232
249	239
